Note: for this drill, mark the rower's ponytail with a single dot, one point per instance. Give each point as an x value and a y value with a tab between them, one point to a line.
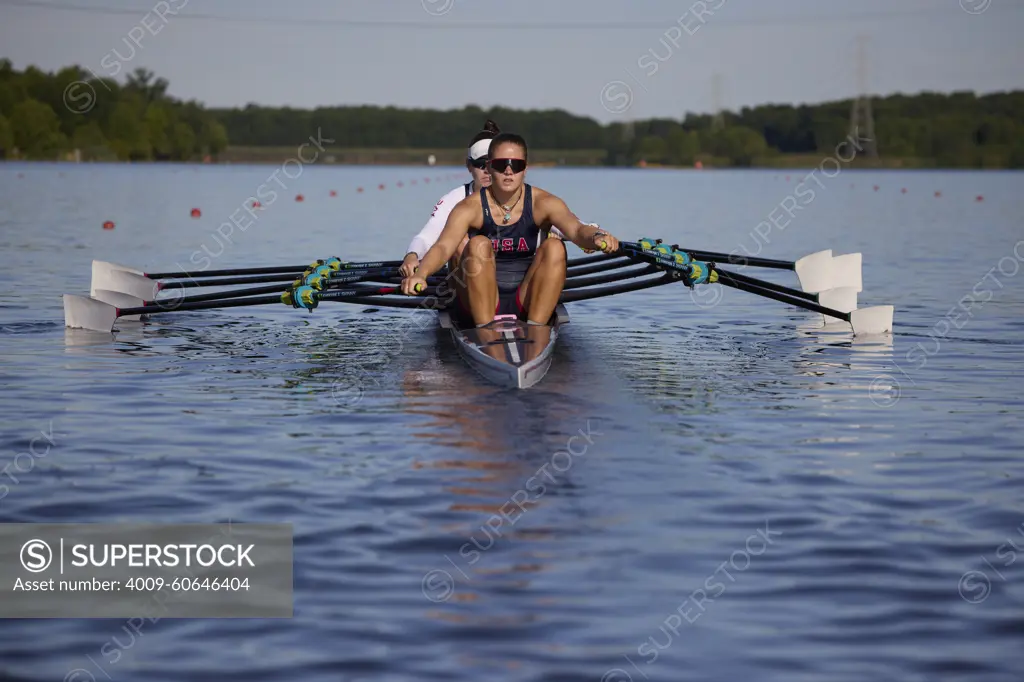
490	130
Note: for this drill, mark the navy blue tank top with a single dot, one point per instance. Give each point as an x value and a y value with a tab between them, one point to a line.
518	240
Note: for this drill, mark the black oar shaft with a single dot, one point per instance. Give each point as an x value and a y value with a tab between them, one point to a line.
228	281
764	284
726	279
170	306
220	295
587	294
617	275
604	266
290	269
340	276
228	272
741	260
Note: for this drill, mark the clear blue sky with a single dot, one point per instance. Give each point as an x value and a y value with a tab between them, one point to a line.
414	53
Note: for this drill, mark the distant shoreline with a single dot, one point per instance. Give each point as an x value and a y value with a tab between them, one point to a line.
573	158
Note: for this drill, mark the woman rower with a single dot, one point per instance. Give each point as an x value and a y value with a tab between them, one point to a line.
503	228
476	164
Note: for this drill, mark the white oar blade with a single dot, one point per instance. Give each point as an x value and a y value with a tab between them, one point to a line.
815	272
101	271
119	300
874	320
846	271
843	299
129	283
82	312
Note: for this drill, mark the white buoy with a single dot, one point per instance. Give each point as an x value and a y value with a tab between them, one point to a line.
431	160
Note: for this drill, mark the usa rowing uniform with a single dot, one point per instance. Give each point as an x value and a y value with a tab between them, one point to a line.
517	241
430	233
515	247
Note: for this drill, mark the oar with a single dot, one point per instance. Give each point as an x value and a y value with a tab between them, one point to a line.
89	313
102	271
846	269
815	271
146	289
838	298
101	268
873	320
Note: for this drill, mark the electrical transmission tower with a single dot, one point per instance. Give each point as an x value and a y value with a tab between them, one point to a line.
862	120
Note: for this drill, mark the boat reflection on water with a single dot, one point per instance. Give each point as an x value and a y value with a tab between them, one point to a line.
497	481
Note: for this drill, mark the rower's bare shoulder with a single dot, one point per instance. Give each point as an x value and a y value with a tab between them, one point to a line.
545	202
469	209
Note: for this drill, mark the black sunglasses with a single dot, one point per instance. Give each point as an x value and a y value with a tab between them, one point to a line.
499	165
479	164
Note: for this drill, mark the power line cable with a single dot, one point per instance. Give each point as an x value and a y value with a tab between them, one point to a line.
440	23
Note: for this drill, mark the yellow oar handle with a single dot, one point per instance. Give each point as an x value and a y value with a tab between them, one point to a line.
418	288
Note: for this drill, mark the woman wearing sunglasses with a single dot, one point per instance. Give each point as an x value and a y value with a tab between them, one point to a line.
476	164
507	265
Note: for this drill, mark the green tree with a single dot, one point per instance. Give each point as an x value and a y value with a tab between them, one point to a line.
683	147
213	139
739	144
36	130
126	132
10	95
183	142
651	149
158	125
6	137
89	139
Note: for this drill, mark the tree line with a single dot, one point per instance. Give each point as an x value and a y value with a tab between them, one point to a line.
47	116
44	116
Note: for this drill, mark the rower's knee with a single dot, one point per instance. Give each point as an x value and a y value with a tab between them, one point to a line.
480	247
478	256
553	252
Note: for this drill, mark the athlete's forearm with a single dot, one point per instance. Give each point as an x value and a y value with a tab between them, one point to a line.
432	260
584	236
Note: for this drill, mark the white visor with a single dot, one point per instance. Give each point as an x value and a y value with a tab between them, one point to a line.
479	149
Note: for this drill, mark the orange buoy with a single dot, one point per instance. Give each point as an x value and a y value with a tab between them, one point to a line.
903	190
979	198
426	179
334	193
256	204
299	197
380	186
876	188
938	193
399	183
196	213
108	225
359	189
698	164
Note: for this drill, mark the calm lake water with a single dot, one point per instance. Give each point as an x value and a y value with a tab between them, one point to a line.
748	494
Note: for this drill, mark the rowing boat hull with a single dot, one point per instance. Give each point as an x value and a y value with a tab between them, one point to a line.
513	362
